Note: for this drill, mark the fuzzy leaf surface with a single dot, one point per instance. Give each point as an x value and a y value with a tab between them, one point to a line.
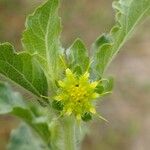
12	103
9	100
23	138
77	57
128	14
22	69
42	34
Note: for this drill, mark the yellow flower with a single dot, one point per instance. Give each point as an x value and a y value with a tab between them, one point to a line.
77	94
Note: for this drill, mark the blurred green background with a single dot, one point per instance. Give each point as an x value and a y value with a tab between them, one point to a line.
128	108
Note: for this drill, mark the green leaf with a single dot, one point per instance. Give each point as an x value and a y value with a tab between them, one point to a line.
9	100
57	105
77	57
128	14
41	36
105	86
87	117
110	84
103	39
23	138
12	103
22	69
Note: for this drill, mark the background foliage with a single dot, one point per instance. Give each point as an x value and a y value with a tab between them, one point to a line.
128	129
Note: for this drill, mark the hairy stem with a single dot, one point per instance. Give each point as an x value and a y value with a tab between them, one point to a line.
69	134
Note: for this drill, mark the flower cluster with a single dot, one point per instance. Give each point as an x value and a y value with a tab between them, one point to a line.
76	95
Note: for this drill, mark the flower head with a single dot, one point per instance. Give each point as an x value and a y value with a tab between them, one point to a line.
76	95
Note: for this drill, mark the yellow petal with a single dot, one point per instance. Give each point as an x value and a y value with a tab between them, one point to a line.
95	95
61	83
86	75
70	75
68	72
58	98
69	112
92	110
93	84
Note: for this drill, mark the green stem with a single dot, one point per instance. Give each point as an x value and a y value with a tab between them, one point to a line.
69	134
